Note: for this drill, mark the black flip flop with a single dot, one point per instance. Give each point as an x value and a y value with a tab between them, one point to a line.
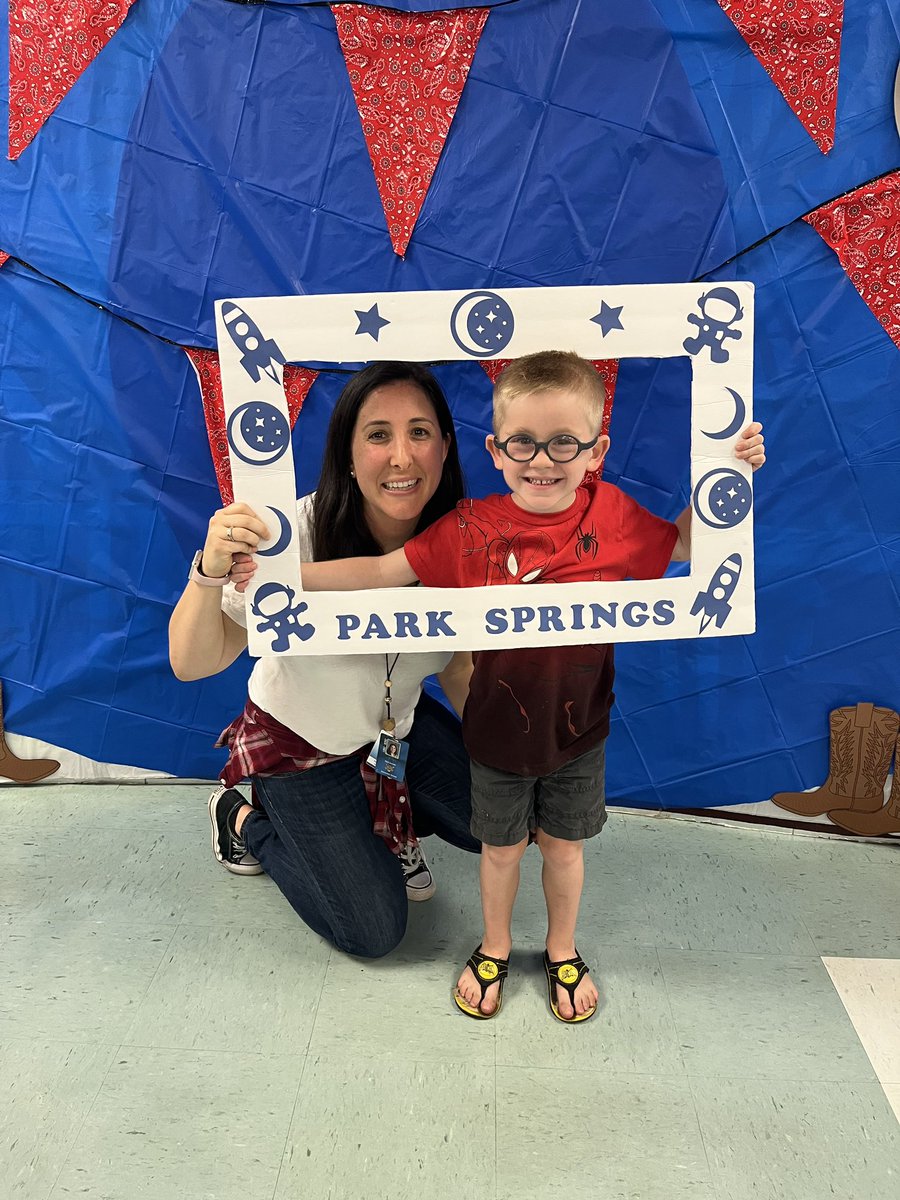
487	971
569	972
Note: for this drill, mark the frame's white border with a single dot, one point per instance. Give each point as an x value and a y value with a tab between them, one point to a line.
651	321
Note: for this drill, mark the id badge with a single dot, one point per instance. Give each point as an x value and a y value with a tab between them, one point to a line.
388	756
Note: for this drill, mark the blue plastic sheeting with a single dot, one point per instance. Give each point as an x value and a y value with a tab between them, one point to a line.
534	186
774	170
58	197
594	143
827	522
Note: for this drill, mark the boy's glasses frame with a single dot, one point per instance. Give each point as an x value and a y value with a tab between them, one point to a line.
568	443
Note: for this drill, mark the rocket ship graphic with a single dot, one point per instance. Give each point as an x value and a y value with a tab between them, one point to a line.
259	353
713	603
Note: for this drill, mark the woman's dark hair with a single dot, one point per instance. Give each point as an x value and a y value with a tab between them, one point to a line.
339	523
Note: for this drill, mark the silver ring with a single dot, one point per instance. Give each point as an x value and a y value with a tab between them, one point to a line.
229	533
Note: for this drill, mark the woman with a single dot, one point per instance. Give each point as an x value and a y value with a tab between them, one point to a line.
390	468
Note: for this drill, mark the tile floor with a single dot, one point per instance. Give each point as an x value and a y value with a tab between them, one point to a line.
170	1031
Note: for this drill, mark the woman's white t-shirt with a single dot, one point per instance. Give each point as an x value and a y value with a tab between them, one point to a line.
335	702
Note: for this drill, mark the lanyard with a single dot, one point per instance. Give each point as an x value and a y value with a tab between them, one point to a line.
388	723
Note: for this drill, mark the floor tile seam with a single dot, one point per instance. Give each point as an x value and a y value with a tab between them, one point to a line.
125	924
326	966
602	1072
116	1051
496	1155
290	1125
48	1039
710	1173
123	1041
716	1176
671	1009
174	1048
811	1081
800	959
336	1054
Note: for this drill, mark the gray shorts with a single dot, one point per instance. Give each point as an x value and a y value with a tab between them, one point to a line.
568	804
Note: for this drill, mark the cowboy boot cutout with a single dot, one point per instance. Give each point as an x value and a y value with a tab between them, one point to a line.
885	820
22	770
862	742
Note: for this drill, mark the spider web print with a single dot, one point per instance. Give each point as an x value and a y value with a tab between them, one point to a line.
407	71
51	42
863	229
297	382
798	42
606	368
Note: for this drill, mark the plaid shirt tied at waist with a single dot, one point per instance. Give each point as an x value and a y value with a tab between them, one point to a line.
260	745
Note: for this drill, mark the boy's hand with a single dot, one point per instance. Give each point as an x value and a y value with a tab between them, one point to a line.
751	446
243	568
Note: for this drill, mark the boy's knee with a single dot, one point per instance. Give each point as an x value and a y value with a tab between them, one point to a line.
558	850
504	856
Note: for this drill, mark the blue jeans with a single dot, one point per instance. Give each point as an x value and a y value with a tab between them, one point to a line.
315	840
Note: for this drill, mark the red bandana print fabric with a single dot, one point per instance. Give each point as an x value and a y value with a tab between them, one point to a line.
799	44
863	229
3	258
297	382
407	71
50	43
607	369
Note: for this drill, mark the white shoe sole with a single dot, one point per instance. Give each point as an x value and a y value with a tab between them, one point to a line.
418	894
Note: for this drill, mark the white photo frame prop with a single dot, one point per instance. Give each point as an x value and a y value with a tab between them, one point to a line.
711	324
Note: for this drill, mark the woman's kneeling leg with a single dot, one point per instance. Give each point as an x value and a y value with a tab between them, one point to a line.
315	841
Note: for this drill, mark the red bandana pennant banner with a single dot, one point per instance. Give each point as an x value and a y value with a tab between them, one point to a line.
297	382
50	45
606	368
407	72
798	42
863	229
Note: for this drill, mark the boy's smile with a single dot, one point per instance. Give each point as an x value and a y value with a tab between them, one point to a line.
542	485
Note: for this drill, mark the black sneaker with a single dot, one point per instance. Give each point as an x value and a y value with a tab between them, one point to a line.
229	849
420	883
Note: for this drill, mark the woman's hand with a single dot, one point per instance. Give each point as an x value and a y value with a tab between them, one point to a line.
242	571
234	533
751	446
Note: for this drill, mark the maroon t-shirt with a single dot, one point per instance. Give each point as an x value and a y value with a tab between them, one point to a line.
532	710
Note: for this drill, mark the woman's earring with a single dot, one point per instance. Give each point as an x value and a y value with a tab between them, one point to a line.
352	473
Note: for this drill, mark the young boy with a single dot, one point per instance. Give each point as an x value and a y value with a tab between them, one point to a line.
536	720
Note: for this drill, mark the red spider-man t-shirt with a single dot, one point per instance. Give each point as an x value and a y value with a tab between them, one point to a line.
532	710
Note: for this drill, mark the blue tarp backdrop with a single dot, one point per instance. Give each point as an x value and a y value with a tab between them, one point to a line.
214	149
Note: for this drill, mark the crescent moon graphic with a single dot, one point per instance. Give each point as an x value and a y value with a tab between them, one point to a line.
736	424
283	540
272	433
498	323
722	498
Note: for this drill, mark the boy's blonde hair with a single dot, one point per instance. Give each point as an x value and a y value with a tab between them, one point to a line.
546	371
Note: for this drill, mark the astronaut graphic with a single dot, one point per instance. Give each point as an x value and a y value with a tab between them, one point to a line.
720	309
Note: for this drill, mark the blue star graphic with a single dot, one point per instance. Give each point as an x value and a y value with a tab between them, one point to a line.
370	322
608	318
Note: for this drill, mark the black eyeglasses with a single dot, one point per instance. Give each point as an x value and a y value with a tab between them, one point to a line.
561	449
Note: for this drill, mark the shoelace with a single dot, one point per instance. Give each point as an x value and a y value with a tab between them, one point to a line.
411	859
